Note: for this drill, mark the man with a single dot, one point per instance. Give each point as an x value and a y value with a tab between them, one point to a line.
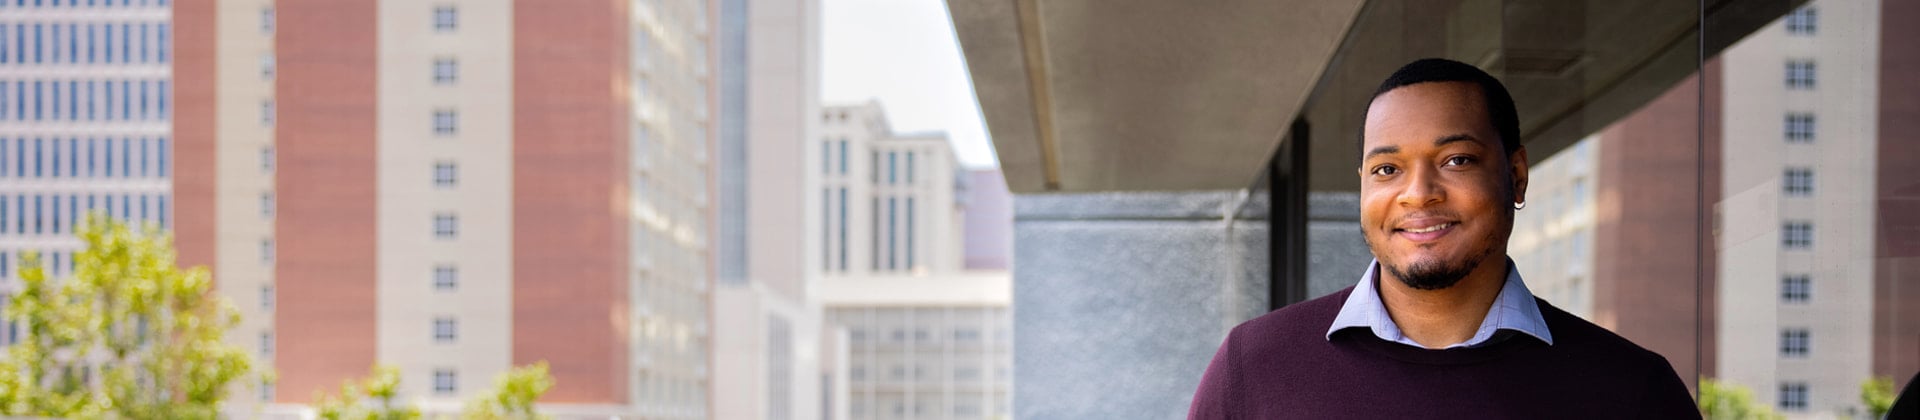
1440	324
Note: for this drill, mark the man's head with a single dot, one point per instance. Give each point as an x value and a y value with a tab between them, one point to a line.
1441	168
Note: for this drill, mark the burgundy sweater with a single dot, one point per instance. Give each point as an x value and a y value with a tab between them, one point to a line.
1281	365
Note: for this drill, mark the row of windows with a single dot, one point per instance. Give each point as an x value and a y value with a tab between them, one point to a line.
85	43
1797	182
1796	235
1798	127
893	172
82	3
1800	74
1793	396
56	262
145	157
84	100
899	373
899	245
56	214
1803	21
1796	288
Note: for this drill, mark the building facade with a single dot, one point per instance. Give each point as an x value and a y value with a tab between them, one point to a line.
767	348
456	188
85	105
927	334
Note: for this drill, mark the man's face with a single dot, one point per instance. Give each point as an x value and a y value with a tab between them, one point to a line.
1436	189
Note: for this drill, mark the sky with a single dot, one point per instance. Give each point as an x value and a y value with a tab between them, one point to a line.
903	53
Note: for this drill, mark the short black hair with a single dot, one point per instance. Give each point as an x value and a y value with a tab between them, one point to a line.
1498	103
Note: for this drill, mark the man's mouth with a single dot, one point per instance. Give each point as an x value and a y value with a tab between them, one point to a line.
1427	233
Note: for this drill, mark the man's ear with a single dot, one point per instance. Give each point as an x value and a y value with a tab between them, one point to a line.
1518	161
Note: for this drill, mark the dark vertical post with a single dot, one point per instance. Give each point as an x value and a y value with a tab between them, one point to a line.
1287	189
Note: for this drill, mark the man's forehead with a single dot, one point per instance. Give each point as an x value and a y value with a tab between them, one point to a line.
1428	112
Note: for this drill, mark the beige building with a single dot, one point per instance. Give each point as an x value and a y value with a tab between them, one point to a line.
461	192
1797	224
1552	242
925	336
767	353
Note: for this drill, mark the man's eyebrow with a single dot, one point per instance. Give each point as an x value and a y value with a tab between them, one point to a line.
1452	138
1382	150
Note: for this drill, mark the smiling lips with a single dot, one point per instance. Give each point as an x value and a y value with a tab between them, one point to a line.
1423	230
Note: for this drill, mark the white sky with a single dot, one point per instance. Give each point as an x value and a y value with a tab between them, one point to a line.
903	53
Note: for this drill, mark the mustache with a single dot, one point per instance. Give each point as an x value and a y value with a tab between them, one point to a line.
1437	214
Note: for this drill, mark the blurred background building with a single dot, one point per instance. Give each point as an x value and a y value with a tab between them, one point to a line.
85	104
915	280
456	188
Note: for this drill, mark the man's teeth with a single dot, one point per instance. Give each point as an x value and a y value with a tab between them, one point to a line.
1431	228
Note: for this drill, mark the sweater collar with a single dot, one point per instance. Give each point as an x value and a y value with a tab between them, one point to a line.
1513	309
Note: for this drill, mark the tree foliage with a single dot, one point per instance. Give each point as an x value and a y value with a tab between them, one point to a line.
128	335
1725	401
1878	394
382	389
513	395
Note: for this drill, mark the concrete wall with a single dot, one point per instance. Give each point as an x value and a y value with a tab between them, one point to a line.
1122	298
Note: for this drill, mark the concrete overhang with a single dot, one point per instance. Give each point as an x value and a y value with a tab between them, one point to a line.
1135	95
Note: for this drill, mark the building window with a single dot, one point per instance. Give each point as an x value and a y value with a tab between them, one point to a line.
1796	288
445	226
445	175
446	18
1797	182
443	330
1803	21
266	113
1793	343
266	391
1793	396
1799	128
445	122
266	344
266	22
1796	235
1800	74
826	157
266	205
266	297
266	159
445	71
443	382
266	246
843	156
446	277
266	66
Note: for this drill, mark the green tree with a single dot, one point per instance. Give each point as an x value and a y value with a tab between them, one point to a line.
383	387
1724	401
1877	394
129	334
513	395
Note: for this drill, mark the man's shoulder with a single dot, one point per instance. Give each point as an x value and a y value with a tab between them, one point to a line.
1293	322
1596	343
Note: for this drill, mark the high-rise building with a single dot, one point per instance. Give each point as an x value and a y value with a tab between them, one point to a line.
85	104
1806	131
927	334
766	334
456	188
1808	244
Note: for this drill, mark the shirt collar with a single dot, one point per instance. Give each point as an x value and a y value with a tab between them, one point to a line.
1513	309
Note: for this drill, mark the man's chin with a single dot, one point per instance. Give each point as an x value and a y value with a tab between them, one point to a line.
1429	273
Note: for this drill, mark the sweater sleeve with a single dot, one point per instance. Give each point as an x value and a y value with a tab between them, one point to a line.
1215	398
1666	396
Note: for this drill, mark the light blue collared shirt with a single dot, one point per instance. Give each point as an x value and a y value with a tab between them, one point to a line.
1513	309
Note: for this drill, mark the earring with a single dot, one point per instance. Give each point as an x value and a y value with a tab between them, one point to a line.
1519	205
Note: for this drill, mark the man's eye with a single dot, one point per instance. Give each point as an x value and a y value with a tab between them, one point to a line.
1459	160
1385	170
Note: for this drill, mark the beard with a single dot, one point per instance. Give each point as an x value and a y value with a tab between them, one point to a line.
1436	273
1433	275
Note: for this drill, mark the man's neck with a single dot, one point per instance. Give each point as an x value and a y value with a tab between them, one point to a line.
1448	316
